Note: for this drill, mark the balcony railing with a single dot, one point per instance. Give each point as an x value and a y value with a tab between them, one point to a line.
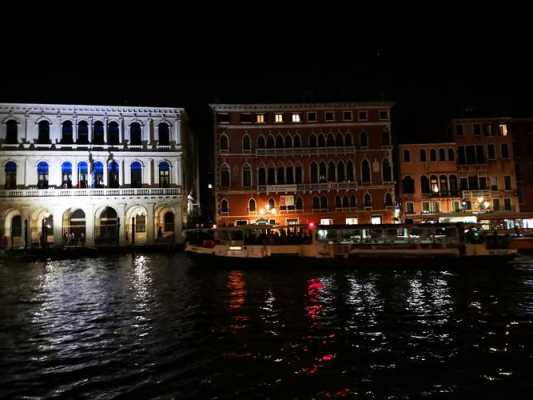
305	151
307	187
89	192
476	193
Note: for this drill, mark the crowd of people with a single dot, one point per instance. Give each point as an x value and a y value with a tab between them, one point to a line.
278	236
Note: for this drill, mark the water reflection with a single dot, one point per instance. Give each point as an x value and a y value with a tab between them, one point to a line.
237	297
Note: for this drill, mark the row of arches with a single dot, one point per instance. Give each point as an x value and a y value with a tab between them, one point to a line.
82	133
296	141
438	185
319	202
76	228
88	174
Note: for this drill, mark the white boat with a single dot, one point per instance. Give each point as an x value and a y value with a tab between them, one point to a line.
353	245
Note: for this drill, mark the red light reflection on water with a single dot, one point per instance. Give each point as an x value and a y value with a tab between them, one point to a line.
313	291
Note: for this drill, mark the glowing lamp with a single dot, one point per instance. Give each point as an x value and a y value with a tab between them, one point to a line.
311	225
214	226
480	199
485	204
262	211
273	211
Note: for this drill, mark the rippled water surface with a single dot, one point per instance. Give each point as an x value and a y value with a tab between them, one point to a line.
155	326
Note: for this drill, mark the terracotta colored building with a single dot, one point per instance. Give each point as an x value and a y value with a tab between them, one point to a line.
472	174
302	163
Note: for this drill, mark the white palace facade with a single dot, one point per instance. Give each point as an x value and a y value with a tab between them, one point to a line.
90	176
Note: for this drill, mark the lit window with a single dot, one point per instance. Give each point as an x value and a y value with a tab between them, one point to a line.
503	129
375	220
363	115
295	117
326	221
260	118
425	207
279	117
329	116
351	221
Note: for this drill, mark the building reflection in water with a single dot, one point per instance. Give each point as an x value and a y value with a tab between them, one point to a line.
237	297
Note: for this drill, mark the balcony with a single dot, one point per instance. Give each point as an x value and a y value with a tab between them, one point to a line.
119	192
307	187
305	151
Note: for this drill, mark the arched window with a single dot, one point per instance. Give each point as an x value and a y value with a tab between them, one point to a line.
113	133
348	140
434	184
271	176
279	142
299	175
280	176
365	171
349	171
83	132
163	133
246	176
443	180
368	200
388	200
288	141
271	203
364	139
12	132
299	203
112	170
224	142
82	175
424	185
331	172
442	155
423	155
406	155
251	205
164	174
353	201
289	173
312	141
11	175
225	176
386	138
66	132
136	171
316	203
345	202
169	221
338	202
262	176
224	206
314	173
44	132
98	174
322	172
66	175
451	155
453	185
135	134
246	143
331	141
338	140
340	172
408	185
432	155
42	175
297	141
387	171
324	202
321	141
261	142
270	142
98	132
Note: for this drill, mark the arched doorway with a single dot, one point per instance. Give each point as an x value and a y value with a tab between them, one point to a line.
13	230
42	228
165	224
74	232
136	226
108	227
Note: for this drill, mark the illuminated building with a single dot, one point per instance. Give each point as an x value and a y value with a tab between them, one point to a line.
299	163
76	175
472	175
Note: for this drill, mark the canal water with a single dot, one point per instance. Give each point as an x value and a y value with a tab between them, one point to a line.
155	326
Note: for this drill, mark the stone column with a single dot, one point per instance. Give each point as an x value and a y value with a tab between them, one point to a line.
90	130
90	176
74	131
178	224
105	130
177	131
26	226
150	225
120	131
147	179
121	212
58	226
126	132
90	218
156	172
120	173
106	172
75	173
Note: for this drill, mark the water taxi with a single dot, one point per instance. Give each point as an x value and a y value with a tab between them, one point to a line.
352	245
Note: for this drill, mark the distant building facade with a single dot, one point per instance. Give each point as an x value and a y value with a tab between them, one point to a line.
474	174
300	163
76	175
522	129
